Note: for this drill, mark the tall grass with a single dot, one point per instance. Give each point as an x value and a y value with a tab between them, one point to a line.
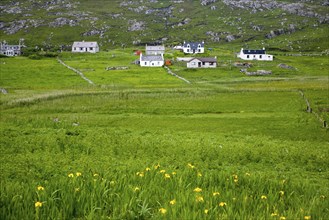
158	192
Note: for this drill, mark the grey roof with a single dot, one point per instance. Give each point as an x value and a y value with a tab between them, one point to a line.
254	52
155	48
205	59
193	45
85	44
151	58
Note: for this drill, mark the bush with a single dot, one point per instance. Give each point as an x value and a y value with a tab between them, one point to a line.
35	57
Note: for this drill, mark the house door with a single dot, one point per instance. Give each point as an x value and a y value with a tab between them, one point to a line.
199	64
193	51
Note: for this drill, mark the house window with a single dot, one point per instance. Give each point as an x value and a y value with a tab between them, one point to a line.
188	50
90	48
81	48
152	64
145	63
254	56
75	48
188	46
199	50
260	56
211	63
203	63
247	56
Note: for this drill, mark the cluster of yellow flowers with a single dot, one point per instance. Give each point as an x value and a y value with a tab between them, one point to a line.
71	175
38	204
235	178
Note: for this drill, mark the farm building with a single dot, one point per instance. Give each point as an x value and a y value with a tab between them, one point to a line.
84	46
154	50
254	55
151	60
10	50
193	47
204	62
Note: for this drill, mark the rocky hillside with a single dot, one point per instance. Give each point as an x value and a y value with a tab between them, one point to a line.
281	24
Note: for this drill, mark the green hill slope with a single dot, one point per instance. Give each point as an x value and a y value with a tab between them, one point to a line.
285	25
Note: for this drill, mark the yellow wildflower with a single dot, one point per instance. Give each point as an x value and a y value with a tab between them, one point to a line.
274	214
247	174
174	173
163	211
157	166
71	175
162	171
190	166
206	211
141	174
147	169
78	174
38	204
215	194
222	204
96	175
40	188
322	197
77	189
235	176
167	176
263	197
281	193
137	189
235	180
199	174
282	218
199	199
173	202
308	217
197	189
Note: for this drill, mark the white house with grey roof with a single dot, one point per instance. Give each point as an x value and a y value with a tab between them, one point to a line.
154	50
254	55
202	62
151	60
85	46
193	47
10	50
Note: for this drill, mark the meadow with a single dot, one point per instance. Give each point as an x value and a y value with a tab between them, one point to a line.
143	144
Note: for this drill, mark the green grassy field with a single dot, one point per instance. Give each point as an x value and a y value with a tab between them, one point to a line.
142	144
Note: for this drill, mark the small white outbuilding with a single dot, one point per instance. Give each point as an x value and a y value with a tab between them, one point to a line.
202	62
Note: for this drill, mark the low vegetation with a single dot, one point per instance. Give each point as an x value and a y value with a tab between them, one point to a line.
143	144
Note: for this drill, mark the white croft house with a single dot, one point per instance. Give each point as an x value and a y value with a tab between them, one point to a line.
254	55
202	62
10	50
193	47
84	46
151	60
154	50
